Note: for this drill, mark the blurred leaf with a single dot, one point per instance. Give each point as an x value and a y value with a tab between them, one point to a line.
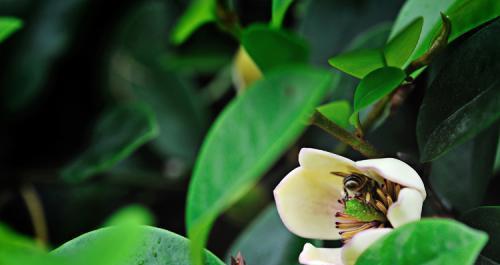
9	25
117	134
430	242
464	98
155	246
279	10
198	13
358	63
255	129
496	167
337	111
267	241
270	48
248	206
462	175
131	215
464	15
401	46
487	219
482	260
376	85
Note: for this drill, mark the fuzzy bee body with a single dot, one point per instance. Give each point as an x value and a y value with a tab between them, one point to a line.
356	183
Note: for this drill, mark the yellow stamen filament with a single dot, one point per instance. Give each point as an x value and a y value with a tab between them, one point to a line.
381	195
348	225
389	201
381	207
351	233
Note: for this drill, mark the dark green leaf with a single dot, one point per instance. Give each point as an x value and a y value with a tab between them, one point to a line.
198	13
9	25
117	134
430	242
401	46
482	260
464	98
461	176
271	48
255	129
279	10
358	63
486	218
337	111
267	241
376	85
113	246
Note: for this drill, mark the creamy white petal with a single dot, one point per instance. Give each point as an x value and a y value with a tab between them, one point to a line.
360	242
324	161
407	208
307	203
394	170
311	255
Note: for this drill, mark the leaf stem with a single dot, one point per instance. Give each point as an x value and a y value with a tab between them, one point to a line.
37	215
345	136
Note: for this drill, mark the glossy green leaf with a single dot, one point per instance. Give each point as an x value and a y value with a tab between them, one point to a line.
358	63
460	178
337	111
486	218
376	85
255	129
464	98
464	15
117	134
279	10
430	242
267	241
197	14
270	48
401	46
115	246
9	25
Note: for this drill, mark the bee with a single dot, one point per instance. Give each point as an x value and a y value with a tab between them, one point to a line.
355	183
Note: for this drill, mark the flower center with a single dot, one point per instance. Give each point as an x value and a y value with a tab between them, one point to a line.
364	206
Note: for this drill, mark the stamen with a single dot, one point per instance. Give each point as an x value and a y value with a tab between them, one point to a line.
368	197
390	188
389	201
348	225
397	189
351	233
381	195
381	207
345	217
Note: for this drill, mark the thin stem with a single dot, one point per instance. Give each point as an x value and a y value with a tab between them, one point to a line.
375	113
345	136
37	215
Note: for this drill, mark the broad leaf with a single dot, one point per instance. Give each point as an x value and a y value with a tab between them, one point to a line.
358	63
337	111
9	25
267	241
115	245
464	98
197	14
401	46
376	85
486	218
430	242
270	48
279	10
117	134
246	139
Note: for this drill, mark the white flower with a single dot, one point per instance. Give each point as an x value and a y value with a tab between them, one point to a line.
321	199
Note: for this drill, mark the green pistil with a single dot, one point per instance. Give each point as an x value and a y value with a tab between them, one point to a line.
362	211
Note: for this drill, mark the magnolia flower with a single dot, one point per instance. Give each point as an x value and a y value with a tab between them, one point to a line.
331	197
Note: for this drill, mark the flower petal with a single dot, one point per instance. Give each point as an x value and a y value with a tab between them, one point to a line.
319	160
394	170
360	242
407	208
307	203
311	255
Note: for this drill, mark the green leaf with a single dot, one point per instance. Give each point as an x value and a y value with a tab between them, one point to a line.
376	85
117	134
267	241
464	98
460	178
115	245
486	218
401	46
464	15
130	215
9	25
358	63
197	14
337	111
255	129
430	242
270	48
279	10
